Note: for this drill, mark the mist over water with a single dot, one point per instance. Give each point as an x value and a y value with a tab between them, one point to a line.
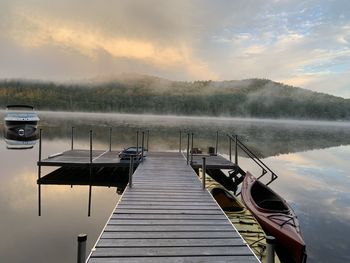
266	137
310	158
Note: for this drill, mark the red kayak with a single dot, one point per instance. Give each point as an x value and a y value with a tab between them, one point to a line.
276	217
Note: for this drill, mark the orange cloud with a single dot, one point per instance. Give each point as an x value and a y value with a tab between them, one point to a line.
34	31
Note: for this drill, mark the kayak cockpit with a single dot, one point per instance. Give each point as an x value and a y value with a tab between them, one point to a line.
266	199
226	201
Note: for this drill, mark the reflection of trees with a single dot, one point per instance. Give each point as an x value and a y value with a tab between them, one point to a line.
273	141
265	139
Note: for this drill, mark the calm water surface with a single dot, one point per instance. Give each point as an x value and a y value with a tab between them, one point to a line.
311	159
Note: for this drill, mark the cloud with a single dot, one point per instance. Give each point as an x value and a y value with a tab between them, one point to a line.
296	43
292	57
34	31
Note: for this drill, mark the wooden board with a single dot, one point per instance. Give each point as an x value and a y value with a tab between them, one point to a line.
81	158
170	242
172	235
170	251
169	222
194	259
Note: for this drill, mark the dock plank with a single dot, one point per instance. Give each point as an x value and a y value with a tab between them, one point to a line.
173	235
166	228
168	242
160	211
168	202
115	221
167	207
173	251
166	217
194	259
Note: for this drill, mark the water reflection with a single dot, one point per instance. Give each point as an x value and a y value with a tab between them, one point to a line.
317	183
52	237
311	161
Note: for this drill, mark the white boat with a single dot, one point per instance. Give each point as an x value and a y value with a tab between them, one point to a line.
16	144
21	123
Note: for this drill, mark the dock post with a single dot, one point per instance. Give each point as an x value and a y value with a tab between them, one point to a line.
204	169
230	147
236	149
147	140
188	148
39	175
82	248
143	145
270	257
131	170
191	147
217	142
110	139
90	177
72	139
137	142
180	141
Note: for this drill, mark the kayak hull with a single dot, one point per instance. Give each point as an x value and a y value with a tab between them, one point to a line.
276	217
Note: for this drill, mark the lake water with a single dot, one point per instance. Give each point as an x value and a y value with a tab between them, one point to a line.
310	158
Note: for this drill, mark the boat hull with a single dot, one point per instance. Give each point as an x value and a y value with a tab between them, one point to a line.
20	129
242	219
276	218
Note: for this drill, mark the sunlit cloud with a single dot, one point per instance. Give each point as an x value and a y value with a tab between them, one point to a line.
304	44
289	58
34	31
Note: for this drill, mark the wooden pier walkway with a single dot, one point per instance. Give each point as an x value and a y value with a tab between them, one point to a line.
81	158
167	217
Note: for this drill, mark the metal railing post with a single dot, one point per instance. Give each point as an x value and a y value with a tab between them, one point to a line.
39	175
217	142
236	150
191	147
90	176
82	248
90	146
204	169
110	139
270	257
188	148
131	170
147	140
137	141
143	145
230	148
40	132
180	141
72	138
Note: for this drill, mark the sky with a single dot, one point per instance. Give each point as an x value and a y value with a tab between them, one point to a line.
300	43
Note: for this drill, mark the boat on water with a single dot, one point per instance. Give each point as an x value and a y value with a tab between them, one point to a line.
276	217
21	123
125	154
243	220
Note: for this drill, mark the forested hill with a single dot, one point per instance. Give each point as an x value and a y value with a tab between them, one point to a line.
146	94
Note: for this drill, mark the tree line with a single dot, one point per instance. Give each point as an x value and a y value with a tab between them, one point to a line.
258	98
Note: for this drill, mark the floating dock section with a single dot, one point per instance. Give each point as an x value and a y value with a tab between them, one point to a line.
166	216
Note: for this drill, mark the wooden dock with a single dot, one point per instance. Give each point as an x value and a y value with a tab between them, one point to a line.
212	162
167	217
81	158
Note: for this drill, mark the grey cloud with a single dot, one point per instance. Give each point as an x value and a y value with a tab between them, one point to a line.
213	31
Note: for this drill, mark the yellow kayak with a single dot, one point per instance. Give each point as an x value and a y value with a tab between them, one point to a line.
241	218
